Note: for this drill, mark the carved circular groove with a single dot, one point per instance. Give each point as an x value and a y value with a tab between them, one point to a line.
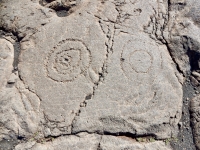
68	60
140	61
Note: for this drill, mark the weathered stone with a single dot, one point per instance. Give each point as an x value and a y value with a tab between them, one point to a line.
118	107
19	112
119	143
81	141
196	74
19	108
183	28
93	142
194	81
6	60
195	119
90	66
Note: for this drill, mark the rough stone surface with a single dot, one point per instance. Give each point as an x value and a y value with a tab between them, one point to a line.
184	34
6	58
80	141
97	73
86	141
16	111
195	107
118	143
135	92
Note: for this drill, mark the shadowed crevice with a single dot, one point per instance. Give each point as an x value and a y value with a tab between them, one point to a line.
60	9
3	33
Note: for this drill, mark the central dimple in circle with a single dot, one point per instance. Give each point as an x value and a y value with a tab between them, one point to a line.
65	60
68	60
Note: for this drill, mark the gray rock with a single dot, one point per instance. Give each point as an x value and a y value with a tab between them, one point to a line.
183	27
195	118
118	107
19	108
91	66
6	60
119	143
20	112
196	74
85	141
81	141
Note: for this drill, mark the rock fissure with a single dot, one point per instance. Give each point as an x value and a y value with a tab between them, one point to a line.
159	29
127	135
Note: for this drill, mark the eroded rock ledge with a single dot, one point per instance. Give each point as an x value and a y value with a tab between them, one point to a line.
93	142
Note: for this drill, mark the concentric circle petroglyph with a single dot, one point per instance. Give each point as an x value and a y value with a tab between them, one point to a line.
140	58
140	61
139	65
68	60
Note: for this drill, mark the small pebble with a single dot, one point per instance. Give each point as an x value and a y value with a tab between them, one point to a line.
82	105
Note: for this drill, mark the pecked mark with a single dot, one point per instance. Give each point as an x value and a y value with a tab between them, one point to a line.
67	60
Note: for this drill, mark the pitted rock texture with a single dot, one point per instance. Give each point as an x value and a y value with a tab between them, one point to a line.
112	67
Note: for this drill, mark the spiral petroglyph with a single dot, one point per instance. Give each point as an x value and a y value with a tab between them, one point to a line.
68	60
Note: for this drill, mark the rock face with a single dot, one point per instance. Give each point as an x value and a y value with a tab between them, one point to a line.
94	71
184	40
6	58
195	103
93	142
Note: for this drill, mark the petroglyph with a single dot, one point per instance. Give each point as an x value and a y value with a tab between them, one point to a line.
94	69
68	60
142	59
134	92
